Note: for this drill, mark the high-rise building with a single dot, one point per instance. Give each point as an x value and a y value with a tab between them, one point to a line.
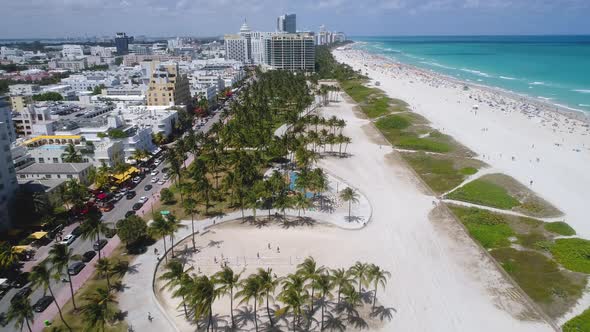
122	42
8	183
167	87
239	47
295	52
287	23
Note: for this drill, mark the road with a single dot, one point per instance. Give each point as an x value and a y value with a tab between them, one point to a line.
80	246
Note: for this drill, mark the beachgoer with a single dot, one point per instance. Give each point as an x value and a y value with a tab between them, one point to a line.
269	245
258	255
155	251
150	318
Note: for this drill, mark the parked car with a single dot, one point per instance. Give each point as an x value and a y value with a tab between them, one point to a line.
155	172
137	206
129	214
148	187
136	180
142	199
99	244
166	176
68	239
26	291
118	196
43	303
88	256
20	280
161	182
131	194
75	268
107	207
77	231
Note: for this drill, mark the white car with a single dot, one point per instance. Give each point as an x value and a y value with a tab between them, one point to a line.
155	172
162	181
166	176
142	200
68	239
136	180
154	180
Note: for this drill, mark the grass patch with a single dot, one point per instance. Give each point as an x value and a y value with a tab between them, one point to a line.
441	173
573	254
533	240
371	100
393	122
489	229
423	144
486	193
580	323
541	278
560	227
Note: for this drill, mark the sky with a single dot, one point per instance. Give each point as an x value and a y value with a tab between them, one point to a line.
79	18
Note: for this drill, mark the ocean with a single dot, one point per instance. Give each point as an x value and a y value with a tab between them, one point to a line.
552	68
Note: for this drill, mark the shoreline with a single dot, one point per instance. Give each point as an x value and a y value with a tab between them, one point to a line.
542	105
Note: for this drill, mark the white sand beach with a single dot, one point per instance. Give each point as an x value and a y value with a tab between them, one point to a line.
441	280
513	135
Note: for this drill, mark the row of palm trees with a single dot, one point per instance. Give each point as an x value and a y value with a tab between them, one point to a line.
335	293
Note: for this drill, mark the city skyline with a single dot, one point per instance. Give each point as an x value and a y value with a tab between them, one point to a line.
59	19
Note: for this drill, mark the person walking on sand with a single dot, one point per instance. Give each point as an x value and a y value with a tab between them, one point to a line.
150	318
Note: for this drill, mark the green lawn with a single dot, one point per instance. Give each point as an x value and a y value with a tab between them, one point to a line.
393	122
372	101
441	173
485	193
580	323
573	254
489	229
540	277
560	227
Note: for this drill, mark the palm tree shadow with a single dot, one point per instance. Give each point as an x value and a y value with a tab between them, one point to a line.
119	286
367	297
383	313
243	316
213	243
353	219
333	323
358	322
326	204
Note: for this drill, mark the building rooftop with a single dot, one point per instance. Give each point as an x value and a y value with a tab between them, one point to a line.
65	168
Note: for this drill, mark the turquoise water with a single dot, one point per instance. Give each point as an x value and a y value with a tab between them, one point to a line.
553	68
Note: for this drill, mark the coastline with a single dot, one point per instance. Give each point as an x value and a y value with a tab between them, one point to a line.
544	105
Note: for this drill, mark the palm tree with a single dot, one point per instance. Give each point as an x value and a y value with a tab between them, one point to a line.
360	271
160	228
323	283
227	279
340	278
351	196
310	271
190	207
352	298
174	276
201	298
59	257
139	154
251	289
301	203
70	155
293	296
98	309
173	226
105	267
379	277
269	283
21	311
8	257
92	227
41	277
283	202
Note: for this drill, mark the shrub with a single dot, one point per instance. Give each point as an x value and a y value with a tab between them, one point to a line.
560	227
573	254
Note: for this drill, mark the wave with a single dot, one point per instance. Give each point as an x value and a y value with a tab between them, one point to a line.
507	78
584	105
581	91
538	83
436	64
545	98
476	72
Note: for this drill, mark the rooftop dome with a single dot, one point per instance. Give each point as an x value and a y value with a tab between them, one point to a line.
245	27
